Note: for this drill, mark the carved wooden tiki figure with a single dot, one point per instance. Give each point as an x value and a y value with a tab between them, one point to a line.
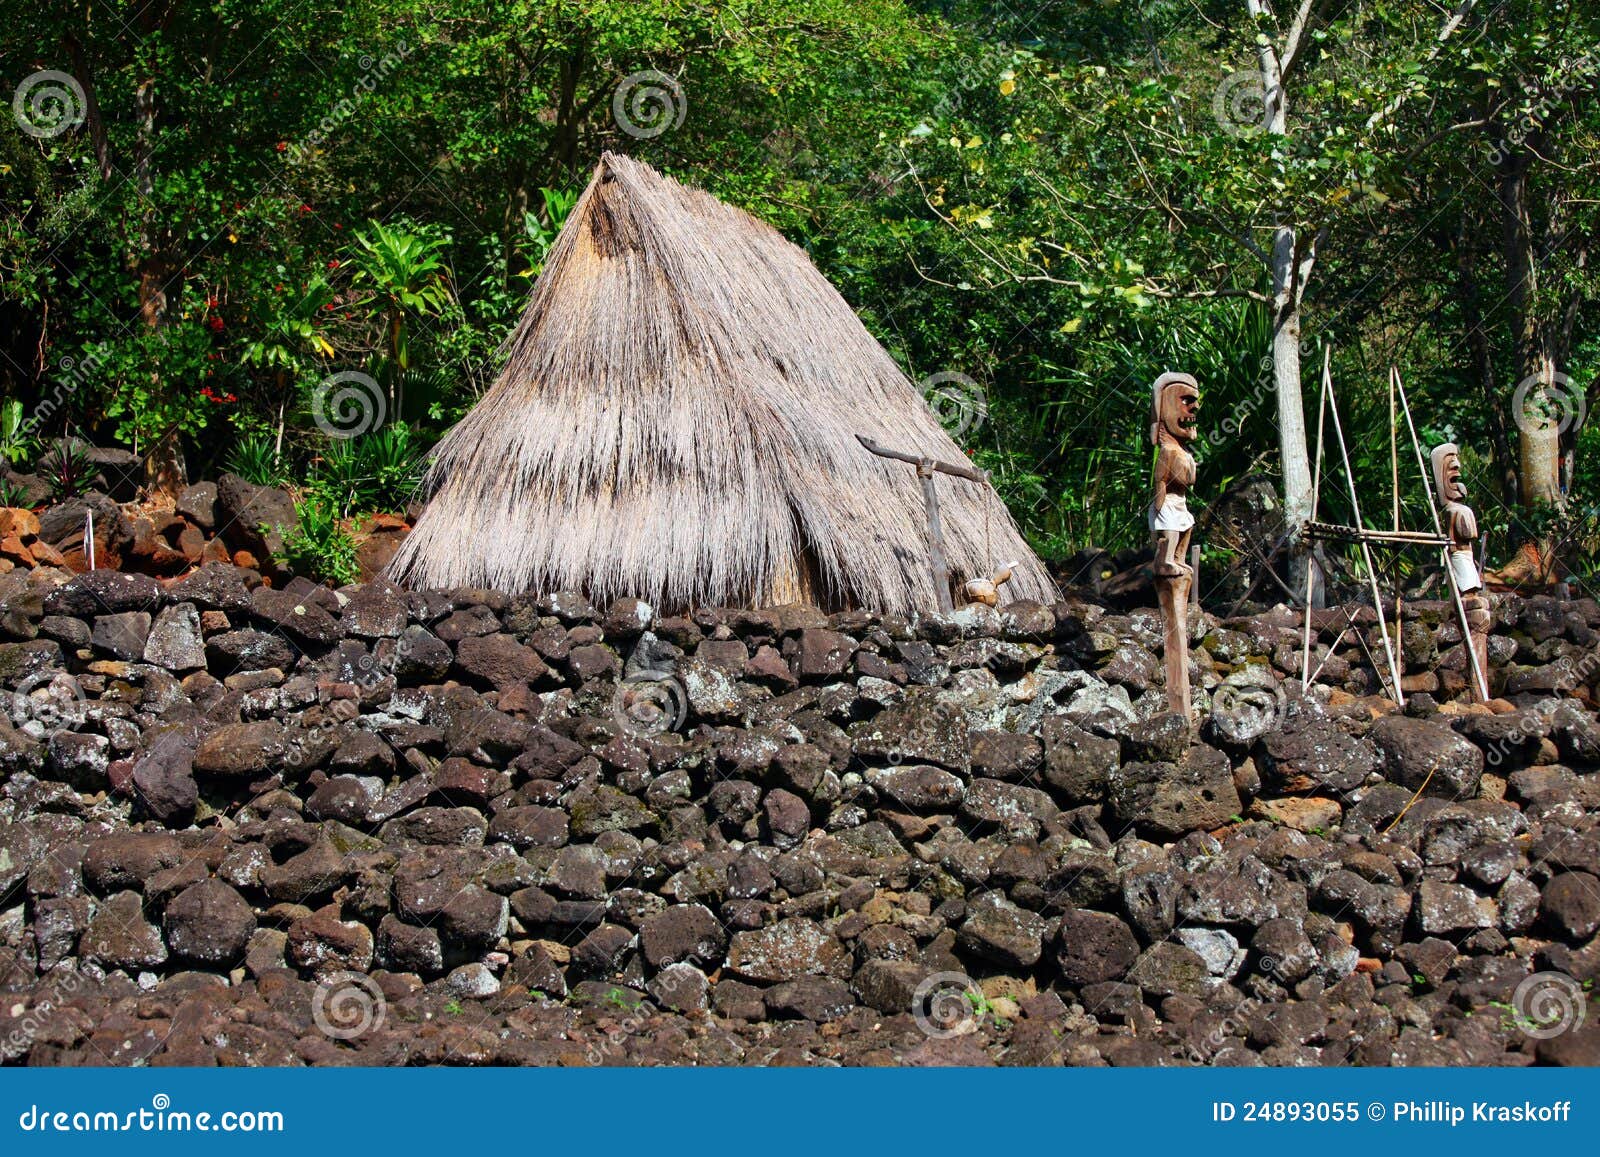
1175	405
1461	527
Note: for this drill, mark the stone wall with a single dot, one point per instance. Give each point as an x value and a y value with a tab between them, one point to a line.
250	825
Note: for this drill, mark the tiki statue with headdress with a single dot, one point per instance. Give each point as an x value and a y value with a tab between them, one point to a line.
1461	527
1174	405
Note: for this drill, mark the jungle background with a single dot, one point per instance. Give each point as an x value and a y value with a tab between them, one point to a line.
211	208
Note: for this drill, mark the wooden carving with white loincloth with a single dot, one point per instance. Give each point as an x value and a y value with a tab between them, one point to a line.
1461	527
1174	406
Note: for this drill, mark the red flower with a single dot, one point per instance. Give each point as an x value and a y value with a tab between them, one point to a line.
333	264
283	146
305	208
216	323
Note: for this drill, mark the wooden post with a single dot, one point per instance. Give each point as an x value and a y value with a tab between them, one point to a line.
936	561
1173	593
1194	577
938	565
1311	572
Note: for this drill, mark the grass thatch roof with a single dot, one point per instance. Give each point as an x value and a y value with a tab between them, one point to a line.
677	421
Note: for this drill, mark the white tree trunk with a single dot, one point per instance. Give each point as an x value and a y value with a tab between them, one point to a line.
1288	286
1294	458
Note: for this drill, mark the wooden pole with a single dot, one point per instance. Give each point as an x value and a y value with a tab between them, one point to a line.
951	468
1394	450
1444	552
1366	551
1311	571
938	564
1394	490
936	560
1173	593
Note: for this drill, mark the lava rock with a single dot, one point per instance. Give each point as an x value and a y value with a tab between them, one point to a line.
209	923
1168	800
1420	752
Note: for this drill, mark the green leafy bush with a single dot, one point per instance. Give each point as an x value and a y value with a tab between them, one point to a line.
321	547
255	460
67	470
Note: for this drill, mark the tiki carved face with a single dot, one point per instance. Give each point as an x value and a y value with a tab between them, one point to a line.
1447	473
1177	407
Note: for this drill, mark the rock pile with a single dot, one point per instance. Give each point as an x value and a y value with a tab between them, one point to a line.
230	521
248	825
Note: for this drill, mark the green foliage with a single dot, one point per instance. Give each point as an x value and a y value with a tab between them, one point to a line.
321	547
17	443
373	472
1043	198
66	470
254	459
12	493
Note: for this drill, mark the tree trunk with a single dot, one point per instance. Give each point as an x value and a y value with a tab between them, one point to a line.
165	473
1538	426
1469	296
1296	461
1289	272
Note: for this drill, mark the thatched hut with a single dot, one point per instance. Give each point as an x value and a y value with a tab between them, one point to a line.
677	421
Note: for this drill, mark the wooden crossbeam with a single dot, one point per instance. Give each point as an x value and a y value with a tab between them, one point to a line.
926	469
1334	531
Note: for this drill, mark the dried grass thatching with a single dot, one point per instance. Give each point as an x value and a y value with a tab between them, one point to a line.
677	421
